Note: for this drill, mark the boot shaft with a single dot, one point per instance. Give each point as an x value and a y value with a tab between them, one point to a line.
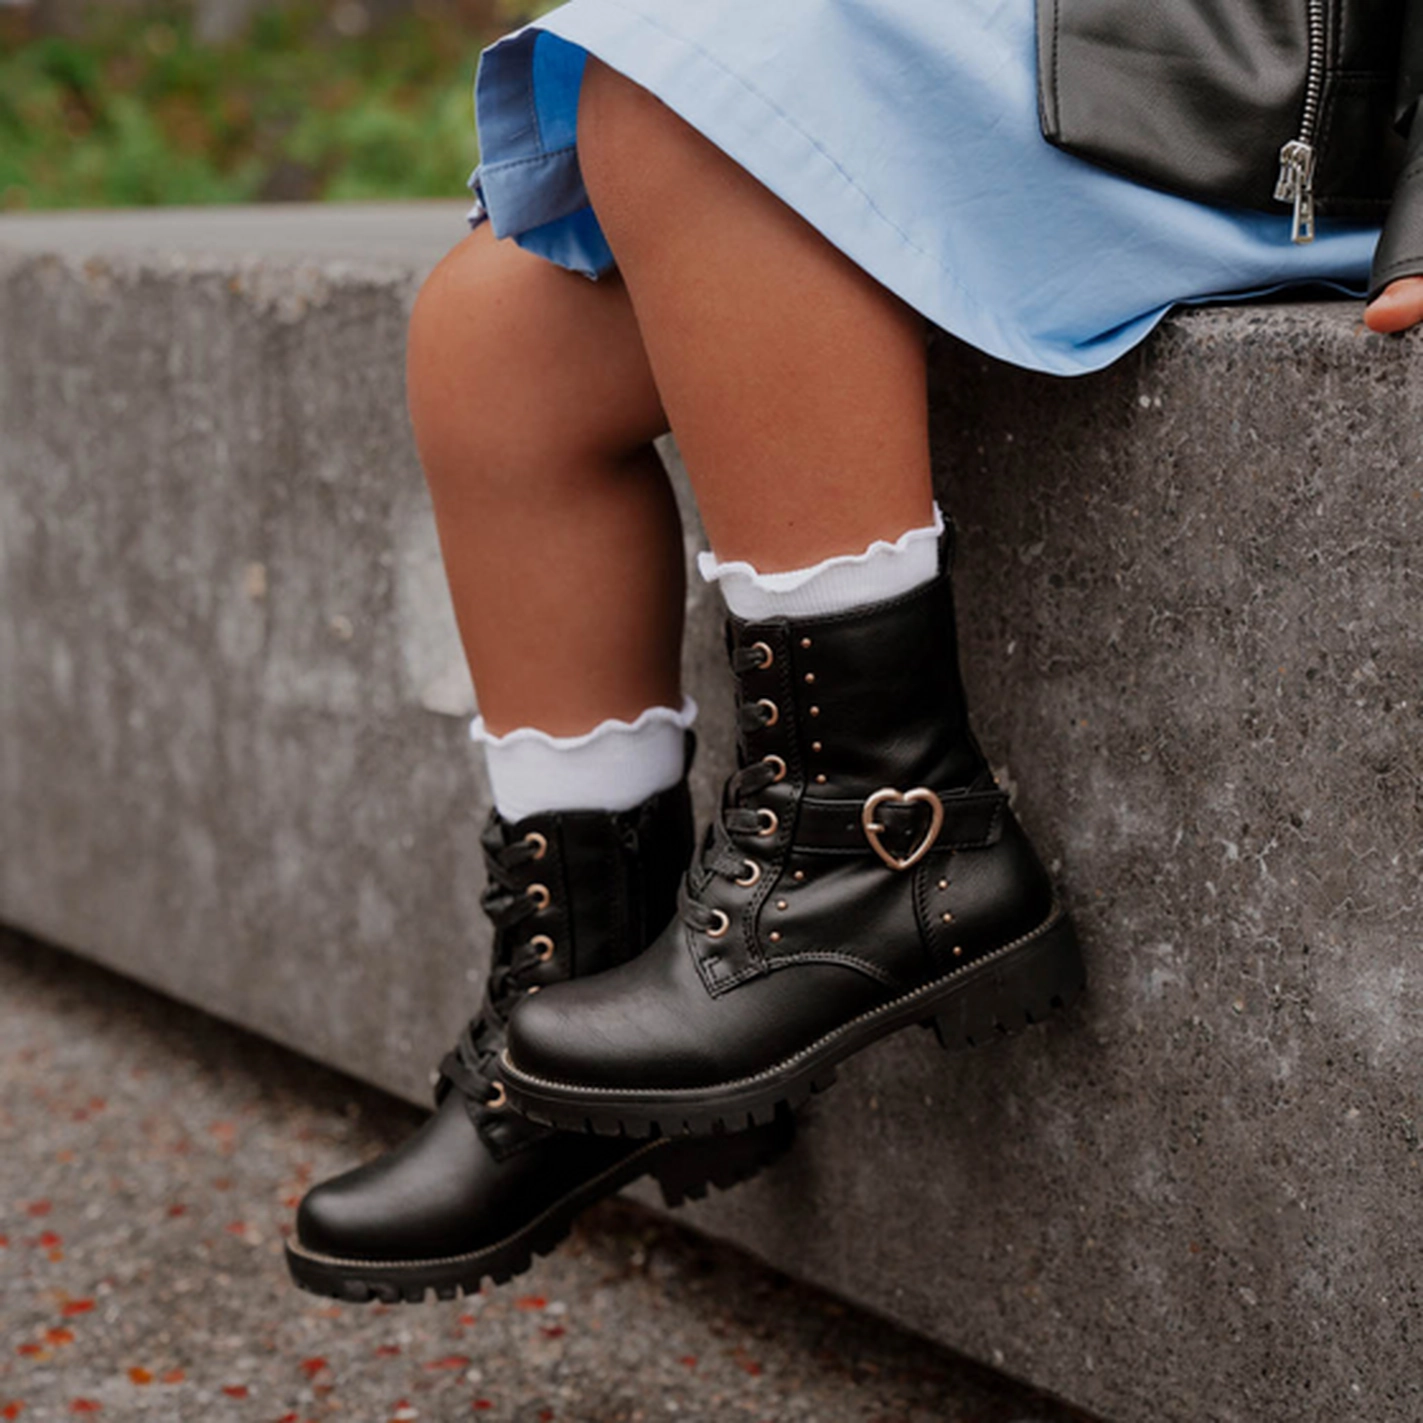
858	701
574	893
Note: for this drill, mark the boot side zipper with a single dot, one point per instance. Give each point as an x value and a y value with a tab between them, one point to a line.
1297	158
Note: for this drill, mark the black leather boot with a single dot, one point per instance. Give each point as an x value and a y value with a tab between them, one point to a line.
865	873
479	1190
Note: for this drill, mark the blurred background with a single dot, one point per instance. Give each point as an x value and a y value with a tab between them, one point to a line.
127	103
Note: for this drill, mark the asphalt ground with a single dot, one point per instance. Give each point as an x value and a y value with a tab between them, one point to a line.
150	1161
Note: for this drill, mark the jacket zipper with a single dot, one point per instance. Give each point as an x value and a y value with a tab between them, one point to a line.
1296	181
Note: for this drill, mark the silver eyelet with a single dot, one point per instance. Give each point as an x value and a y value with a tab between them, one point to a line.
544	945
539	842
721	922
540	895
499	1100
752	875
770	821
767	656
773	712
780	766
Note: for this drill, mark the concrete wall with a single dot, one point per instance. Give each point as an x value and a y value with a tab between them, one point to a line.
233	764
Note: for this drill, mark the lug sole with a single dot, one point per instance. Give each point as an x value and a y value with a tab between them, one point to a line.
682	1174
996	996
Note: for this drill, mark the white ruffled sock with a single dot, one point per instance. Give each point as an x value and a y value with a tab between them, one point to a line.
835	585
615	766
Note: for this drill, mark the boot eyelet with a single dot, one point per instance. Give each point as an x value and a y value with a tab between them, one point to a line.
539	842
779	763
540	895
767	656
498	1099
721	922
770	822
773	712
752	875
544	945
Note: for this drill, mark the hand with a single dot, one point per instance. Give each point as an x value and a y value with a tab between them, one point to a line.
1397	307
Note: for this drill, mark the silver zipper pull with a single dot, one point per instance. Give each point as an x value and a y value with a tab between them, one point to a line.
1296	185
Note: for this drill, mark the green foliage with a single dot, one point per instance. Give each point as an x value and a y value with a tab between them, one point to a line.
138	113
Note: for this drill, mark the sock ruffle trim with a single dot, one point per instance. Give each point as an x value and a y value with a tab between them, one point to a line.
681	718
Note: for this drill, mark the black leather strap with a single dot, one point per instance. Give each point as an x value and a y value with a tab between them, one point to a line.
1400	249
971	820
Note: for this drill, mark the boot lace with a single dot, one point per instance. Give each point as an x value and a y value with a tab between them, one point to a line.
730	845
471	1067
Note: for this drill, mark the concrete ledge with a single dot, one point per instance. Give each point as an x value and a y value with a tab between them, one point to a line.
233	763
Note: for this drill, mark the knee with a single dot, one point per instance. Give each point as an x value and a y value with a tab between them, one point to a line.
476	373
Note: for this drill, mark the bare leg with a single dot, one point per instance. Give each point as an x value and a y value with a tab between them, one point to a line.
794	382
533	407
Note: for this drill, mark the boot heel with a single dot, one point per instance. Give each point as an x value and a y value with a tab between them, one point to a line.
1026	986
685	1169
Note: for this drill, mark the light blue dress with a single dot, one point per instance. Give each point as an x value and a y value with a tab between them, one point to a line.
906	132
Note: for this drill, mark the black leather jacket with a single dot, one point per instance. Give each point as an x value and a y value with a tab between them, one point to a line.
1249	103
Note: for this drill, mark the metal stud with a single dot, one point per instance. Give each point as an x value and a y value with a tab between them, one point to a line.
958	951
799	877
815	711
943	884
810	679
820	779
805	642
948	918
775	936
817	746
782	904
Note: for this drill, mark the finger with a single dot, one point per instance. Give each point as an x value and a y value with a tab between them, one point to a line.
1398	307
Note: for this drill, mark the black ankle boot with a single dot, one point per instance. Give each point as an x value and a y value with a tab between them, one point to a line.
479	1190
864	873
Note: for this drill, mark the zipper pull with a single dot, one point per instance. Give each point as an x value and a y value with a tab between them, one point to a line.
1296	184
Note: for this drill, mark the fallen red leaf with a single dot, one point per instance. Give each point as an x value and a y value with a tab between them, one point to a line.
531	1302
751	1366
482	1405
48	1240
177	1210
4	1241
468	1320
97	1104
31	1351
546	1415
85	1405
689	1359
13	1409
312	1367
139	1376
174	1376
553	1331
235	1390
236	1227
451	1361
289	1418
387	1351
76	1306
59	1336
38	1208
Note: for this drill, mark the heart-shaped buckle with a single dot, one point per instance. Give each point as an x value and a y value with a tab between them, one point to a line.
920	795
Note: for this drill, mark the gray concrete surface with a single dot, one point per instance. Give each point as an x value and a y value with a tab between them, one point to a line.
149	1162
233	764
